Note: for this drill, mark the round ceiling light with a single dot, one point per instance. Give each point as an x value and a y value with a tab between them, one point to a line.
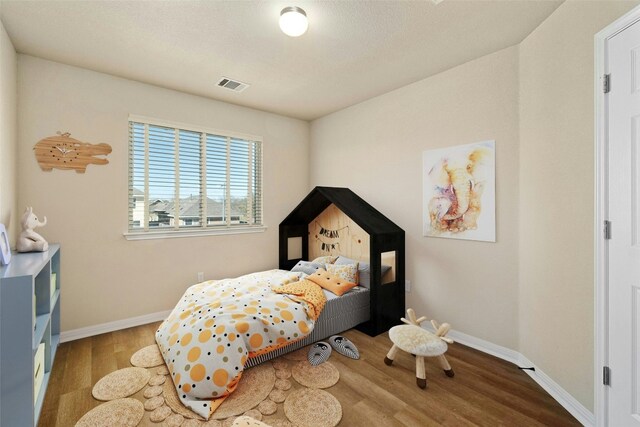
293	21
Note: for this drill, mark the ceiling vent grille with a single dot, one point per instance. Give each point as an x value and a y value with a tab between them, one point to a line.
233	85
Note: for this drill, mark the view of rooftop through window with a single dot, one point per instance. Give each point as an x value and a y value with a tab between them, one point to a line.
189	179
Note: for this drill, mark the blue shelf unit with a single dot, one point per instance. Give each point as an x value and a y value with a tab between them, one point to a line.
26	278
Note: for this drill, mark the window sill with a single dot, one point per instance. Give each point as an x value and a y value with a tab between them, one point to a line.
148	235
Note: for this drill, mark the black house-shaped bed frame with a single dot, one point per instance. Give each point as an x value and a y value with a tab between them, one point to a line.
388	300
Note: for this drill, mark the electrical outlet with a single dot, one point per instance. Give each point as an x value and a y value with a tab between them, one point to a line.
407	286
201	277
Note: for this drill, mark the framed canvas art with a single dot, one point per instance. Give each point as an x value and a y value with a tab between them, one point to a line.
5	249
459	195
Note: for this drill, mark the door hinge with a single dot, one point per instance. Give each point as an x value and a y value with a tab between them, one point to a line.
607	230
606	375
606	83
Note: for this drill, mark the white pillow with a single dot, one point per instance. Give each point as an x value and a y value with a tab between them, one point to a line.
307	267
328	259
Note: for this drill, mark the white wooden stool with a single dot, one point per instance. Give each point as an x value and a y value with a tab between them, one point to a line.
421	343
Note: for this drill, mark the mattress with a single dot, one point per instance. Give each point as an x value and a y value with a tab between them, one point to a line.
339	314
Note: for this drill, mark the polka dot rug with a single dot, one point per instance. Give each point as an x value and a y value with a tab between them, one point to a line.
269	392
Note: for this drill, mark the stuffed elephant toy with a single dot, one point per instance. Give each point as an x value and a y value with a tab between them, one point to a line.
29	240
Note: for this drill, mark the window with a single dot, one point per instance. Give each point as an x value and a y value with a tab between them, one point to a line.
184	180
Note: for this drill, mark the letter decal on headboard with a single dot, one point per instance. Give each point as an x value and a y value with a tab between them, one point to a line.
330	234
328	247
334	233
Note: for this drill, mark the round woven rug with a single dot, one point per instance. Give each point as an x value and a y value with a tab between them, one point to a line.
149	392
171	399
280	364
153	403
267	407
147	357
121	383
309	407
283	374
322	376
119	412
277	395
261	391
160	414
174	420
254	387
157	380
283	384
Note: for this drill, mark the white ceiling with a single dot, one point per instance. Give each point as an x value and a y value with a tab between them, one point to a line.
354	50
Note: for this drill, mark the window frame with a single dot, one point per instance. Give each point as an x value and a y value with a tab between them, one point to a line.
164	233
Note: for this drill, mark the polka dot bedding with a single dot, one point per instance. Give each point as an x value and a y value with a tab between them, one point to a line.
218	325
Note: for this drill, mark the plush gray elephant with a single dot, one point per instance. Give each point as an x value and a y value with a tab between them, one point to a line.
29	240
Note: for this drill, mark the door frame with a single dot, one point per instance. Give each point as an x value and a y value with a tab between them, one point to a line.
601	347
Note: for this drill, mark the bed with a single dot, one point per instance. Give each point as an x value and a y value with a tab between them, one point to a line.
328	222
219	328
340	314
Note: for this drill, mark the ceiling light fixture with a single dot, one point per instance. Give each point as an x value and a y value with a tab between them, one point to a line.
293	21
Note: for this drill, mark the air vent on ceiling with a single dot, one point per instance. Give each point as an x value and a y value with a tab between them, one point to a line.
233	85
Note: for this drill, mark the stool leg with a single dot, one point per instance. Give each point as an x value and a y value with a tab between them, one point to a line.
445	366
388	360
421	377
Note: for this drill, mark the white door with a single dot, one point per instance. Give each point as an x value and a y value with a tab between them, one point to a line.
623	52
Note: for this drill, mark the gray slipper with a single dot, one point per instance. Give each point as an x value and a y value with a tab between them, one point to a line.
343	346
319	353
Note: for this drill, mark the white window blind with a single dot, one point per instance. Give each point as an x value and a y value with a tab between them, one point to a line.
182	178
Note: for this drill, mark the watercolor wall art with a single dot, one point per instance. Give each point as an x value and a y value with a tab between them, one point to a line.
459	197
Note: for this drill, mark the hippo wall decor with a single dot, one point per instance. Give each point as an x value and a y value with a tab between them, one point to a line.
63	152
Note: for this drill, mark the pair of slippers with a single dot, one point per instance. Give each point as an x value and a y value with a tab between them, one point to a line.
320	351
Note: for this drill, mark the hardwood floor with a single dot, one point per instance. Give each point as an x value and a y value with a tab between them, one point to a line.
486	391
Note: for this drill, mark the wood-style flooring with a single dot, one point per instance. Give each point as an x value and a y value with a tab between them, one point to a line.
485	391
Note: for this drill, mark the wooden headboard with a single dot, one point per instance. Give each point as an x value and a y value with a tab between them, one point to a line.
334	233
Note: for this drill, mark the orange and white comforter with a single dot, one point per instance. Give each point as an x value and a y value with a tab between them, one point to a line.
217	325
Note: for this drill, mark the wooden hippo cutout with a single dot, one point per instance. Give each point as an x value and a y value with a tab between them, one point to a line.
63	152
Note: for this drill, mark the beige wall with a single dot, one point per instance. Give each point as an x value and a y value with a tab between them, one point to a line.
375	148
557	193
105	277
8	135
532	291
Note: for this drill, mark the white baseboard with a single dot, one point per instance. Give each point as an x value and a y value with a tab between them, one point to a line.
556	391
76	334
496	350
568	402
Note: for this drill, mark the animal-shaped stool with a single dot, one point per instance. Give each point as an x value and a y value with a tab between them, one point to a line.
421	343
